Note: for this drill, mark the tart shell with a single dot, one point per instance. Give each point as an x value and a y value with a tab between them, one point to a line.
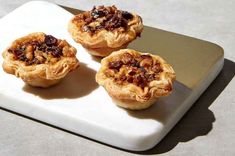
104	42
40	75
129	95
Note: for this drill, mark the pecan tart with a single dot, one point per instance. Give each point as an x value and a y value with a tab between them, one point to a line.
135	80
40	60
105	29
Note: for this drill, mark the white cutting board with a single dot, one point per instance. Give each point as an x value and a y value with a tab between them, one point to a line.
78	104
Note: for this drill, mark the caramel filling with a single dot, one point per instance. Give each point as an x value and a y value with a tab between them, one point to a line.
108	18
38	52
139	70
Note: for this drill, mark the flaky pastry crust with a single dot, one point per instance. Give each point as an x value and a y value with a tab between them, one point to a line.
135	83
39	59
105	29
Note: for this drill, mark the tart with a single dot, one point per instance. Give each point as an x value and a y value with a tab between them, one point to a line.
135	80
105	29
40	60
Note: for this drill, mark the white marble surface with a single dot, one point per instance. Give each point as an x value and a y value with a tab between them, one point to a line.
207	129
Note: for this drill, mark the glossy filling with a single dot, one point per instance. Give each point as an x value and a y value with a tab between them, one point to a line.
139	70
101	17
38	52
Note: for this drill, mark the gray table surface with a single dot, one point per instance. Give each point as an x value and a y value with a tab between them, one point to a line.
209	126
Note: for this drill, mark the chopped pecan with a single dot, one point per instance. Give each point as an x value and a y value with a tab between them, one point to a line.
130	79
50	40
127	15
97	13
146	62
29	52
115	65
122	78
140	80
157	68
55	51
133	71
150	77
87	28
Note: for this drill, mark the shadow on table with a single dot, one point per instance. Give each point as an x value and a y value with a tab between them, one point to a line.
198	120
77	84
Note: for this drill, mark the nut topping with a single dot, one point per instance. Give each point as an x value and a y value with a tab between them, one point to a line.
140	70
127	15
50	40
109	18
36	52
115	65
97	13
